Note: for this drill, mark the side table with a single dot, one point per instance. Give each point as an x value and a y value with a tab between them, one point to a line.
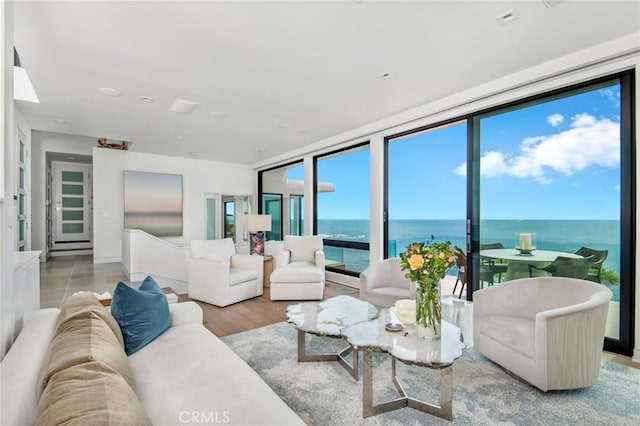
268	269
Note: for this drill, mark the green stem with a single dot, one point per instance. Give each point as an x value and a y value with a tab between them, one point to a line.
428	308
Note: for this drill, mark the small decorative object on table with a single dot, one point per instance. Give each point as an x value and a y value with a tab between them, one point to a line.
427	264
394	328
104	298
525	243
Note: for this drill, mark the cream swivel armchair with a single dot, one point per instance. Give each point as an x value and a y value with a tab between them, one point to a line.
299	269
220	276
547	330
384	283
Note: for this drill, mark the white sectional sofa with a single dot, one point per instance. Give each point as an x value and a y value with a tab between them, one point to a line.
187	375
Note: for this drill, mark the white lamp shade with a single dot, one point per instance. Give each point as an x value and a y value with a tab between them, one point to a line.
257	222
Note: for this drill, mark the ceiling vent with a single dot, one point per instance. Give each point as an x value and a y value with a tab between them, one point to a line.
507	17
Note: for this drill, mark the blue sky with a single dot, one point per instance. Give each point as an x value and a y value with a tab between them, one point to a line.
556	160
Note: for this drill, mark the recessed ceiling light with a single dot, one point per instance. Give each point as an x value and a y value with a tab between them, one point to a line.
507	17
193	154
110	91
183	106
302	131
60	120
386	76
219	114
282	126
146	99
179	138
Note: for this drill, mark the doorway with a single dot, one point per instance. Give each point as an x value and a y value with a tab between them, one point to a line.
69	205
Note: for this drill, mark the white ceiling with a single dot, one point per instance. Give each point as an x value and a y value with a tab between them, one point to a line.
286	73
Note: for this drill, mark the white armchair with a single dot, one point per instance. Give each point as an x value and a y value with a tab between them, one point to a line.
299	269
548	330
220	276
384	283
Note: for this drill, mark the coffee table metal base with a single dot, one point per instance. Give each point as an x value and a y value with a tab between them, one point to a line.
444	410
340	356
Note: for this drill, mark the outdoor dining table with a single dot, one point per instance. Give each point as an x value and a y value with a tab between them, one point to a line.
518	266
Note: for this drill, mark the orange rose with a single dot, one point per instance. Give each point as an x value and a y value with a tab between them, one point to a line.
415	262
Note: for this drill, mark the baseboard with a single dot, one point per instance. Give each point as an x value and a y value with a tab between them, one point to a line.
180	287
636	355
112	259
71	252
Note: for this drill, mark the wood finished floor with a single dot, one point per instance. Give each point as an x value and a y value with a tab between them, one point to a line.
254	313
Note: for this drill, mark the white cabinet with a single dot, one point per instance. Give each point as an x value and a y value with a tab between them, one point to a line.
26	288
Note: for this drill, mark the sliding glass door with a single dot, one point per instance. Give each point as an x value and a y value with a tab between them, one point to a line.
555	177
551	175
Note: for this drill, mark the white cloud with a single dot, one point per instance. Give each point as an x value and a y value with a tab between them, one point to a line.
583	120
461	170
612	95
616	188
588	142
555	119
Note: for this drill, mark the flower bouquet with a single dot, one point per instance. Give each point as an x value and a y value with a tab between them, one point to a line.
426	265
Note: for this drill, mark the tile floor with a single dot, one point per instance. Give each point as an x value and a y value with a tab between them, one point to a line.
62	276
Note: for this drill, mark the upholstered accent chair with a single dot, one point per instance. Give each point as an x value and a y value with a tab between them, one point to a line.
549	331
220	276
383	283
298	272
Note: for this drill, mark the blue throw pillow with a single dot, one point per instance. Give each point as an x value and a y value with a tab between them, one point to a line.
142	313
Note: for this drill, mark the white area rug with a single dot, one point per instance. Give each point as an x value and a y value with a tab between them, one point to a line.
323	393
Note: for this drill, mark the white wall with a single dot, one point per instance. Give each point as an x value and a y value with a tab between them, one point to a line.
41	143
6	123
199	177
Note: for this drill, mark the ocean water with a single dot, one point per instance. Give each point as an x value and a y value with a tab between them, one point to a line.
559	235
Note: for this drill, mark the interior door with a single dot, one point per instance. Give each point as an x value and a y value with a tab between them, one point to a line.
71	203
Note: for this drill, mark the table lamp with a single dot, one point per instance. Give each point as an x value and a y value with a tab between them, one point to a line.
256	224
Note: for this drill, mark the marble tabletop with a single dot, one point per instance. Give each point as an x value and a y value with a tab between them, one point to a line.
406	345
329	317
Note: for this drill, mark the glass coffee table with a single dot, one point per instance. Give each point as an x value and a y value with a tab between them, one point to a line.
328	318
406	346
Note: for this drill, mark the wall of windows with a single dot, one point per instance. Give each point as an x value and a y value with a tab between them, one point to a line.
491	168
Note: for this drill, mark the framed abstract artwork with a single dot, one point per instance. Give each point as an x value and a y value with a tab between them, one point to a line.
153	203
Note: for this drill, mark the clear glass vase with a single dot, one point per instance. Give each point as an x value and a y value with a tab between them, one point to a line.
428	309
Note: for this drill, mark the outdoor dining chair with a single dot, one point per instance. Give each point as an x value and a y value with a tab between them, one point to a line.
566	267
486	274
599	257
498	268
